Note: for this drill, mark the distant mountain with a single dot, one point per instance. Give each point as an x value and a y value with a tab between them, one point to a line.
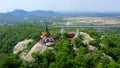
22	16
42	13
18	12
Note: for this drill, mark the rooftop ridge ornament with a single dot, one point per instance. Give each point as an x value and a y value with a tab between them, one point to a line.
48	34
46	27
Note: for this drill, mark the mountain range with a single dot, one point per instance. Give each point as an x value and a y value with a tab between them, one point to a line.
22	16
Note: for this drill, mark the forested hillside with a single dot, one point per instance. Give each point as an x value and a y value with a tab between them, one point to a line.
63	55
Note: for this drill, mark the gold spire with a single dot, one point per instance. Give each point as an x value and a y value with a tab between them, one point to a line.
46	33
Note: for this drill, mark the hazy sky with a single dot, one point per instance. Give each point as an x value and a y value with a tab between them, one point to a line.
61	5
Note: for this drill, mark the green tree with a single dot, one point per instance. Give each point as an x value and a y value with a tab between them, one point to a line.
10	61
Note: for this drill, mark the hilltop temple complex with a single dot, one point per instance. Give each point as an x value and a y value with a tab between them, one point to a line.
46	42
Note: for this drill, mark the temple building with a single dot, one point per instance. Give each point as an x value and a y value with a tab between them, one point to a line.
47	38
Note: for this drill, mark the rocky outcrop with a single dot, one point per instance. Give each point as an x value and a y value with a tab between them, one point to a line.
103	57
36	48
86	38
91	49
86	41
39	47
21	45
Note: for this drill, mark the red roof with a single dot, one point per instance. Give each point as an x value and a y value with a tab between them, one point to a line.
72	35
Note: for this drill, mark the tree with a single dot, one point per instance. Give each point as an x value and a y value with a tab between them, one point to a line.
10	61
113	64
49	55
78	41
100	65
79	60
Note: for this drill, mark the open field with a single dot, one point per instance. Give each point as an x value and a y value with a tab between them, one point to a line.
90	21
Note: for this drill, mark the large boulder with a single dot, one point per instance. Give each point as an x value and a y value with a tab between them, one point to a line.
21	46
86	38
38	47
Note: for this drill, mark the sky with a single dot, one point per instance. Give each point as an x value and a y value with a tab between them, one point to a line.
61	5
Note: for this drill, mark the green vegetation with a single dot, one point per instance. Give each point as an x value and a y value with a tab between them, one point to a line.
11	35
63	55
